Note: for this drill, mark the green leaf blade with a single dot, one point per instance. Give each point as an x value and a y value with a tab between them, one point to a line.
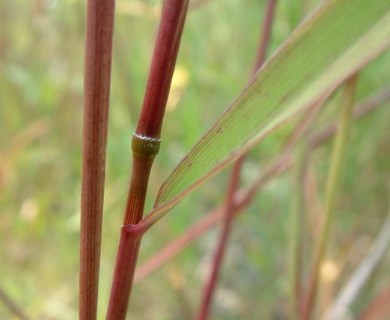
332	43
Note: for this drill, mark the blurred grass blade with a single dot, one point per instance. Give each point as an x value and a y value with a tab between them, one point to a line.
336	40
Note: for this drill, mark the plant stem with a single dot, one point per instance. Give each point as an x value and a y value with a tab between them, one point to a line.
209	289
332	188
145	146
244	196
97	78
163	64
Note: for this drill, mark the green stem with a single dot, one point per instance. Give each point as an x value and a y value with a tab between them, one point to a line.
332	190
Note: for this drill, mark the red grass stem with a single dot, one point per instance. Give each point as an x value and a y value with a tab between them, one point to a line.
209	289
163	64
97	77
264	37
145	146
123	277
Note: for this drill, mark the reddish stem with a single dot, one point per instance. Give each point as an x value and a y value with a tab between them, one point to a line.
124	270
97	77
265	36
145	146
210	287
163	64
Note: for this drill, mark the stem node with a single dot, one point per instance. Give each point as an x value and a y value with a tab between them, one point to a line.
144	145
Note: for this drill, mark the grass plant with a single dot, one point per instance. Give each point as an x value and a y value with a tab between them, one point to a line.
200	116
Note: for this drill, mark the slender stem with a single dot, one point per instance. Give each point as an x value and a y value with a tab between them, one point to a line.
210	286
332	189
209	289
97	78
163	64
122	282
145	146
244	196
265	35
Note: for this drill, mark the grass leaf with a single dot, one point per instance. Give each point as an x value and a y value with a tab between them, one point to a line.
335	41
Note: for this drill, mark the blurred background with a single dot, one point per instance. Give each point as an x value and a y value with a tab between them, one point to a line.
41	88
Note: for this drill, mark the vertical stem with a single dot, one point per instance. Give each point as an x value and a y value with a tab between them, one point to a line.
209	289
145	146
332	188
266	29
122	282
210	286
97	77
163	64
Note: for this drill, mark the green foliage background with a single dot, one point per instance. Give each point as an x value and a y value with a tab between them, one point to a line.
41	83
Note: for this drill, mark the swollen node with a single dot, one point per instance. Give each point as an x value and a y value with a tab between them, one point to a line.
146	146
